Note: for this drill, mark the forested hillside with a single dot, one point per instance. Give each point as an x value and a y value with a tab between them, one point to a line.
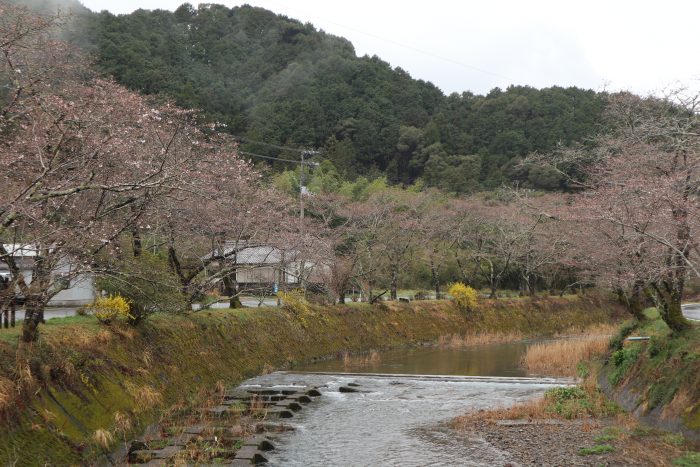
274	79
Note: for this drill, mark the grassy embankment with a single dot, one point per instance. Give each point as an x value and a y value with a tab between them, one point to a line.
83	384
657	382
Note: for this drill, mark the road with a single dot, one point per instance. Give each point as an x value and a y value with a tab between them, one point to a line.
49	313
692	311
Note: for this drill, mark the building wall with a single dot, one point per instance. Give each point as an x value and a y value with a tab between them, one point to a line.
267	275
81	292
259	275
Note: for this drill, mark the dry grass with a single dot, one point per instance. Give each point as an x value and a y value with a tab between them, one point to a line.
122	423
535	409
103	438
456	341
8	393
595	330
561	357
350	361
146	396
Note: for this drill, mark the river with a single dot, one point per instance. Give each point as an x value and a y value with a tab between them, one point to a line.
398	416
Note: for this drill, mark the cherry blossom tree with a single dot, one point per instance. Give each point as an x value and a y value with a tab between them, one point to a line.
639	194
83	161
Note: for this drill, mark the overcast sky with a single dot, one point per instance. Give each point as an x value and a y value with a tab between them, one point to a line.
640	45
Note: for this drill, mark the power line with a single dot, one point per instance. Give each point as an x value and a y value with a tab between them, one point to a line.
407	46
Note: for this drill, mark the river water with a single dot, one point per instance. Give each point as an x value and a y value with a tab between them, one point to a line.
399	416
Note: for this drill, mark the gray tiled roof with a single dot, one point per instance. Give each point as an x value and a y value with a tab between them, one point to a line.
259	254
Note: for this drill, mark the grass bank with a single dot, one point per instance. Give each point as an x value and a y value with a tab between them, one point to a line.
638	401
84	387
658	380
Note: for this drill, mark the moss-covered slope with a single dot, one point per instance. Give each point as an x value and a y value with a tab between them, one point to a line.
658	379
81	377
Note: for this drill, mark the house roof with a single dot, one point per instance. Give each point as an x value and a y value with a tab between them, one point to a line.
255	254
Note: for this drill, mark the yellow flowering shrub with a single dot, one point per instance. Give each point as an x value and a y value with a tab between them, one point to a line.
465	297
294	301
111	307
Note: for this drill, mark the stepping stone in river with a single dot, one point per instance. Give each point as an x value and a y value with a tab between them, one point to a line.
259	441
277	427
303	398
280	412
251	453
290	404
241	463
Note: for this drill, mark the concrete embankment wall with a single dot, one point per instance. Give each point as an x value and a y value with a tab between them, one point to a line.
83	377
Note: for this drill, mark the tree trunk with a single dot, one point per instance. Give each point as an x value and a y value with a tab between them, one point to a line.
673	316
670	297
341	297
231	290
394	281
34	307
636	301
136	241
436	281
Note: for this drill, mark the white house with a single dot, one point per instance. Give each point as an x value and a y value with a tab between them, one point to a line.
80	289
262	265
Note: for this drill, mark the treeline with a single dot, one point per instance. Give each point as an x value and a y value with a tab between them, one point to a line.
274	79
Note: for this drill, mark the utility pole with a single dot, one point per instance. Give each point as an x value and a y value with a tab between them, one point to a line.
301	211
301	185
304	154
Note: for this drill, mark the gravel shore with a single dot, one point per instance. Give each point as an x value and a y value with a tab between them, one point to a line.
559	444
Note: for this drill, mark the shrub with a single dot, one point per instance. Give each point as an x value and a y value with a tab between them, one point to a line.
689	460
578	402
422	295
656	346
465	297
295	302
565	393
147	283
626	329
107	309
623	360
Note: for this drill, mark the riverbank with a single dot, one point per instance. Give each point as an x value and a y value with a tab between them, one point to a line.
637	405
84	387
657	380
